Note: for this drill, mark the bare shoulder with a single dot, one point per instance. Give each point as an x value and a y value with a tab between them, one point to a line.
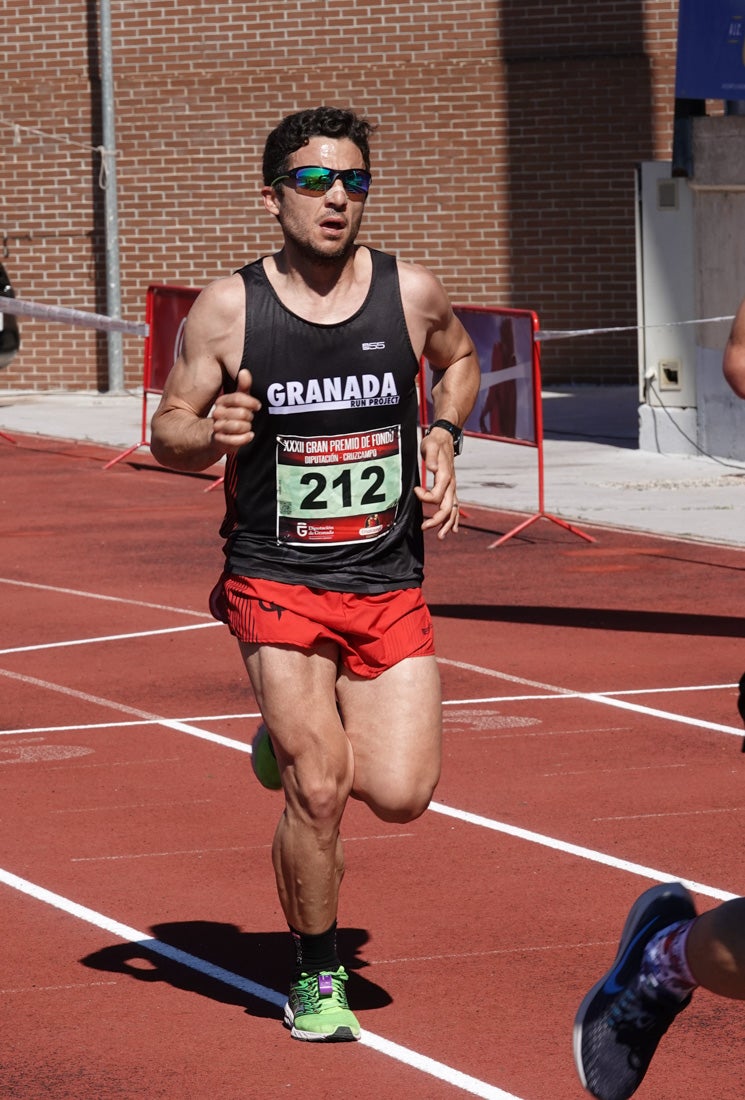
420	287
223	299
426	305
212	346
215	326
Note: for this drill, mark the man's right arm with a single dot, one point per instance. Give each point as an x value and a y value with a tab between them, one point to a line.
196	424
734	353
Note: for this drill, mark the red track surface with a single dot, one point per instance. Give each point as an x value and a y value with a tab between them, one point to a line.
471	939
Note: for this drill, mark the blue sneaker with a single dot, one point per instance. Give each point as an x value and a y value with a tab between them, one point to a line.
263	760
621	1020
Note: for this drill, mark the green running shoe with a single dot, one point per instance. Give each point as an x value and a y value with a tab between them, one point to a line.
317	1009
263	760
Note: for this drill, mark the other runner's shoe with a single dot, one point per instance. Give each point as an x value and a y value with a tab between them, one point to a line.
622	1019
263	760
317	1009
741	702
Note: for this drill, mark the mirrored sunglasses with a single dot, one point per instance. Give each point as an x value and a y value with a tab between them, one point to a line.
314	180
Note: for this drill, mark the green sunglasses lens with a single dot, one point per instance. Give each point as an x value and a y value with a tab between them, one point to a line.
355	181
313	179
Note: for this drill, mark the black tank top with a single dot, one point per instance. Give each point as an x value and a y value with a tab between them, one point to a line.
323	496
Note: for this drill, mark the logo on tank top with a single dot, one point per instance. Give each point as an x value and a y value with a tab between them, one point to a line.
352	392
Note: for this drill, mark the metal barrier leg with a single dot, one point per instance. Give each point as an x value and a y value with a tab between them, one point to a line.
124	454
217	482
533	519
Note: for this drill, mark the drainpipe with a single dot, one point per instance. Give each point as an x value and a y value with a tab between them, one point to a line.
108	153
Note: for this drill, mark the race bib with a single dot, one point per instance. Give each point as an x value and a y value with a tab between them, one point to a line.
338	488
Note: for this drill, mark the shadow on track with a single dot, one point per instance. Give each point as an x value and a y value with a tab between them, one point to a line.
598	618
263	958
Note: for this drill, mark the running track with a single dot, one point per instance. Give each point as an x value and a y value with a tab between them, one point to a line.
592	747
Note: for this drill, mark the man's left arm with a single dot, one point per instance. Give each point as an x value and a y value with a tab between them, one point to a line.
439	336
734	353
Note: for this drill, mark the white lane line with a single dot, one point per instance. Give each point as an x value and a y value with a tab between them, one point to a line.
494	674
580	695
99	596
395	1051
206	851
480	701
673	813
131	935
427	1065
168	723
108	638
654	712
34	990
74	729
169	854
496	952
671	690
462	815
578	850
442	1072
594	697
82	727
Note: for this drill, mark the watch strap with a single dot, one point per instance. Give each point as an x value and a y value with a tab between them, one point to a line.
455	432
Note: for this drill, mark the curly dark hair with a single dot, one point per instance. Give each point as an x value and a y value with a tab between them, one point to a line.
296	130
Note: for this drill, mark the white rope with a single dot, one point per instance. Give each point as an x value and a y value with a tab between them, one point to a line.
566	334
61	139
71	316
103	172
103	152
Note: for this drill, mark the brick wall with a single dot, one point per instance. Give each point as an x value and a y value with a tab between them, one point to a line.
508	134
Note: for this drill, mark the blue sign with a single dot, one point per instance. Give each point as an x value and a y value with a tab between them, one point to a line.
711	44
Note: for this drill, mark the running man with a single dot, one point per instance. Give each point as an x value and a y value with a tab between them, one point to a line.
666	951
301	369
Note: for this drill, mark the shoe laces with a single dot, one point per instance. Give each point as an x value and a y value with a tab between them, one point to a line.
641	1010
632	1011
313	991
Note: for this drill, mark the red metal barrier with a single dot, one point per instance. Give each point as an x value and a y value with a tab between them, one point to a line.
166	309
509	408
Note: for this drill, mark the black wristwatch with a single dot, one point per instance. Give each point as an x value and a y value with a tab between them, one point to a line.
456	433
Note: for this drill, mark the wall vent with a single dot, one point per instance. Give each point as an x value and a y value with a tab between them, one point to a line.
667	194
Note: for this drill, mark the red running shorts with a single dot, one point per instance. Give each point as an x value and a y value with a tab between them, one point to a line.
373	632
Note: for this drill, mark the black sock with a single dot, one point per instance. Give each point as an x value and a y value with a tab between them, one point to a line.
314	954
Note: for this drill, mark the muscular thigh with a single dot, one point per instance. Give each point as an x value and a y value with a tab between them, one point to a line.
394	725
296	693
